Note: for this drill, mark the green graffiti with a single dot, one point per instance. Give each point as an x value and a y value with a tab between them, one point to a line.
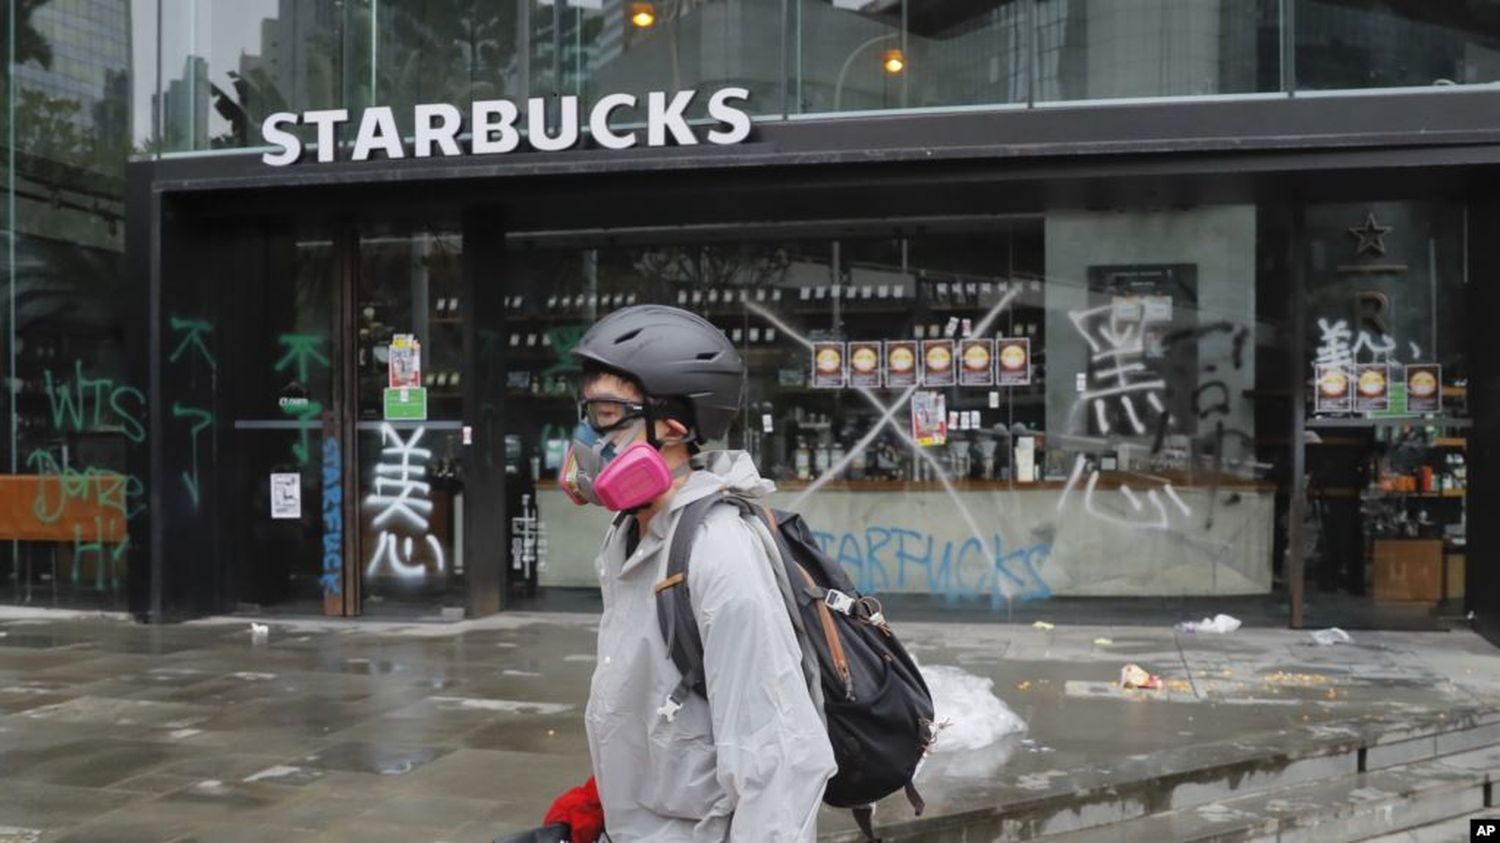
79	403
203	419
305	414
111	489
192	339
301	350
564	339
109	552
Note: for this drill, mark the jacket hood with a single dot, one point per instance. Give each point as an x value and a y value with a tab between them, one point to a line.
722	471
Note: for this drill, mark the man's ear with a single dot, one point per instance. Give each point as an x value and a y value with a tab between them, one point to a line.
673	428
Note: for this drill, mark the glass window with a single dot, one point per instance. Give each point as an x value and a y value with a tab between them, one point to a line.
1384	45
70	494
226	66
980	413
1388	413
1087	51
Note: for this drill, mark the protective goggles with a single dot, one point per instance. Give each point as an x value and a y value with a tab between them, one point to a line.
606	415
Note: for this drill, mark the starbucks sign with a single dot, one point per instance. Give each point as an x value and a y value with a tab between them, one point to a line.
496	127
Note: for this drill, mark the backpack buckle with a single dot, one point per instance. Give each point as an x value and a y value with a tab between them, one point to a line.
839	602
669	709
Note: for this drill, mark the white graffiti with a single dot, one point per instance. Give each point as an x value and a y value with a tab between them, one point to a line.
1158	517
1334	349
402	493
1379	351
1339	346
1119	374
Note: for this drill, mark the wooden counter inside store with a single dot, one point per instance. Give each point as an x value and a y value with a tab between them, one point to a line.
1127	535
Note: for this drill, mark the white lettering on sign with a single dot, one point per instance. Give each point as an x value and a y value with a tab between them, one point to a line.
496	126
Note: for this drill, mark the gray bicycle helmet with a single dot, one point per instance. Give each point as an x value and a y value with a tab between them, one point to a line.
673	354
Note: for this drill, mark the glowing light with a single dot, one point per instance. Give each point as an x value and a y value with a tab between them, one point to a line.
894	62
642	15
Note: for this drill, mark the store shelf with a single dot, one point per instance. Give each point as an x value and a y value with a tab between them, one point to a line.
1107	480
1449	494
1407	421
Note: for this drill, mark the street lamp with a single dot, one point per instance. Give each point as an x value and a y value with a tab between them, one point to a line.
894	64
642	15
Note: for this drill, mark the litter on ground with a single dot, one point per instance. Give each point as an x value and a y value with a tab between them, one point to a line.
1217	623
1134	676
1331	636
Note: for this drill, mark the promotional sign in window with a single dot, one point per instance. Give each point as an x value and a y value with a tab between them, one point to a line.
286	496
864	364
406	404
937	363
404	362
1372	388
1013	356
929	418
828	365
1335	390
900	363
976	362
1424	388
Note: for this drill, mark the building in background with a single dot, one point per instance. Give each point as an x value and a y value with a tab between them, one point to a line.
1068	300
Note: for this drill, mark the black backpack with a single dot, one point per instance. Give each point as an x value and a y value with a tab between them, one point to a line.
877	706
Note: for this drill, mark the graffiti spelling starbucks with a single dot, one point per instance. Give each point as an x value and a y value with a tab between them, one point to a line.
981	387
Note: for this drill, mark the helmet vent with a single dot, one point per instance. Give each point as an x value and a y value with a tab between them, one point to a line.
708	355
627	336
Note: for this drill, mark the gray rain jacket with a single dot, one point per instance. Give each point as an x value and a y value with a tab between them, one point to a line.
750	762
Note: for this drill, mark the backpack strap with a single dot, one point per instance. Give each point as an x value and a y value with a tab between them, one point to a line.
864	817
674	608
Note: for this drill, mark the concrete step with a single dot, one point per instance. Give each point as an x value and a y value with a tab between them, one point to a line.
1240	791
1347	809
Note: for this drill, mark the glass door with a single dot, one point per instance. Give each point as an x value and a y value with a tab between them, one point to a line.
284	387
408	353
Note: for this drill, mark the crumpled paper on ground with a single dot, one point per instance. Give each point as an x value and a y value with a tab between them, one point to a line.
1135	676
1217	623
1331	636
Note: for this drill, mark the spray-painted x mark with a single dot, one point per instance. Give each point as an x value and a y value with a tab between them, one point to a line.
887	420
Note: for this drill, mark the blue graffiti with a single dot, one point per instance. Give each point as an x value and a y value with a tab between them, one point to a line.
946	568
333	519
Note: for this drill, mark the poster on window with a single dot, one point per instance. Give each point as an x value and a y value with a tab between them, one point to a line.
864	364
286	495
1013	357
828	365
404	362
937	363
900	363
1335	388
1424	388
1372	388
976	362
929	418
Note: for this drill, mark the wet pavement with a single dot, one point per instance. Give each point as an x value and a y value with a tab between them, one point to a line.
358	731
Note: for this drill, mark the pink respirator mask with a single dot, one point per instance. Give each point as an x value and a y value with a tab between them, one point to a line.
593	473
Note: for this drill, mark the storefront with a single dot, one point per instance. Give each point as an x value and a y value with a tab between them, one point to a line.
1227	346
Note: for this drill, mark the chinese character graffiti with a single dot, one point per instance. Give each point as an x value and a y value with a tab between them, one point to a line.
402	493
1118	376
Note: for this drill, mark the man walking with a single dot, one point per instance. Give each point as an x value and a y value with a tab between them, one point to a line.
749	761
